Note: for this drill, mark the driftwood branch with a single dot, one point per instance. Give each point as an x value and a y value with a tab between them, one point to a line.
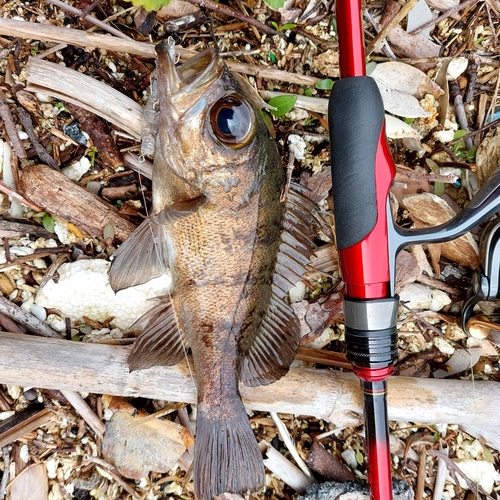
81	38
329	395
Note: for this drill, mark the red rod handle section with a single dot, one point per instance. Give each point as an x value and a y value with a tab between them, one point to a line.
351	39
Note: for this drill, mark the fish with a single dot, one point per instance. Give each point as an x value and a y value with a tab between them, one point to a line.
234	248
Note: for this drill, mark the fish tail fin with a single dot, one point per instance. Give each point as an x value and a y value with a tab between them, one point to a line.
227	457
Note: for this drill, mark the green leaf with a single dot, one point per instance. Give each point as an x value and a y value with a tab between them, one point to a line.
283	104
276	25
432	165
325	84
438	188
48	223
359	457
308	92
370	66
150	4
458	134
288	26
275	4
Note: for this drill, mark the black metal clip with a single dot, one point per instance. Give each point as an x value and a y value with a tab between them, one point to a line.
485	282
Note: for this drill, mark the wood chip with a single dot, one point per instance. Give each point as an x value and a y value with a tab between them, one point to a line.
32	483
22	423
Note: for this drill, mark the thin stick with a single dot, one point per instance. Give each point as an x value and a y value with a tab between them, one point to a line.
33	324
11	129
85	39
41	152
6	470
444	15
112	472
229	11
84	410
10	192
287	439
382	34
91	19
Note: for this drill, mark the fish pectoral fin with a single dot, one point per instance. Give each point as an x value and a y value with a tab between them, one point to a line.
141	257
180	210
161	342
274	346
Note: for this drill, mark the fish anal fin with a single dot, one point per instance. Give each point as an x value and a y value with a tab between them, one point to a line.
179	210
161	342
274	346
141	257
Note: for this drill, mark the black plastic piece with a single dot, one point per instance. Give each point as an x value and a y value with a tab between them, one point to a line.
372	349
356	118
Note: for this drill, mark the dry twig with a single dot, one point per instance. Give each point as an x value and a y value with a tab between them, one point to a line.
10	128
25	119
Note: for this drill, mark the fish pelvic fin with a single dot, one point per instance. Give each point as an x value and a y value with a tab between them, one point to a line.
227	458
161	341
141	257
278	337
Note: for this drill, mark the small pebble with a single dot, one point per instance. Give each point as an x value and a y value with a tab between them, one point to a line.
39	312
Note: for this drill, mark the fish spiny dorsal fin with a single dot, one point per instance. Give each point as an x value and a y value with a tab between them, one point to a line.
141	257
161	341
277	339
144	254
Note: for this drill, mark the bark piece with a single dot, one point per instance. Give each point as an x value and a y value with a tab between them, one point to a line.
21	423
324	463
488	156
432	211
100	134
61	197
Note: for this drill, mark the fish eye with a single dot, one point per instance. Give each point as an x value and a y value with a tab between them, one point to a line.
233	122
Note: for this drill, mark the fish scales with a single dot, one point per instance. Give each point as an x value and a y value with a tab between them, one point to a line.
218	224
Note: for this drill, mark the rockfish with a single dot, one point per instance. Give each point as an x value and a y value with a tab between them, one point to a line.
233	250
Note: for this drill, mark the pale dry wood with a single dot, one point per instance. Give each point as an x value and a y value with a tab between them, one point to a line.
32	483
86	92
60	196
84	410
86	39
329	395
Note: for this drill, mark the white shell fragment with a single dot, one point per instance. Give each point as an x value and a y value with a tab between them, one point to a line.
456	67
76	171
421	297
479	471
83	290
297	146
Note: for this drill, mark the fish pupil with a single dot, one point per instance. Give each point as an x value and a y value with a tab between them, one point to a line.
229	122
232	121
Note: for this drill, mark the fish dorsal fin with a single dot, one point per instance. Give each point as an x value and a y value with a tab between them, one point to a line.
141	257
179	210
161	342
277	339
144	254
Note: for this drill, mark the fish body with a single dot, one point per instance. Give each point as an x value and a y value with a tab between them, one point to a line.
233	249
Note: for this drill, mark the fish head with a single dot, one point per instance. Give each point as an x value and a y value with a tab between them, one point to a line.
212	139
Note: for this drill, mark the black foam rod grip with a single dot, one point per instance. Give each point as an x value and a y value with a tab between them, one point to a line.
356	118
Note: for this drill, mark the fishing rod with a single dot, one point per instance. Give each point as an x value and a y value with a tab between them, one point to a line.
367	238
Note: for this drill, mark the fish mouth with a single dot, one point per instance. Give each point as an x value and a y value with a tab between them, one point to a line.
185	84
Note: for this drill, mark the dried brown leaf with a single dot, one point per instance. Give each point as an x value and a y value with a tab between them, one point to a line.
432	211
